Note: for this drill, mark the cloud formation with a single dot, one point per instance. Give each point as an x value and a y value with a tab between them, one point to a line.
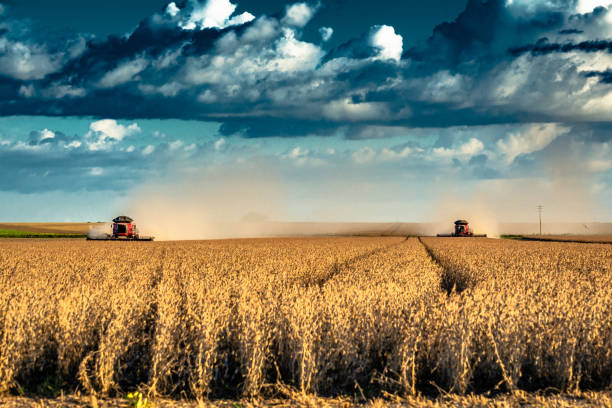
388	43
298	14
534	139
504	85
326	33
497	62
209	14
214	64
104	133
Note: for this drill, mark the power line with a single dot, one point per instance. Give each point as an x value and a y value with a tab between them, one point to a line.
540	208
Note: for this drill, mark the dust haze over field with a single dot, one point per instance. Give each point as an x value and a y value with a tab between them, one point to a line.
251	201
99	231
563	190
210	204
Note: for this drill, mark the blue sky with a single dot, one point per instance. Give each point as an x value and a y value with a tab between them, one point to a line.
348	111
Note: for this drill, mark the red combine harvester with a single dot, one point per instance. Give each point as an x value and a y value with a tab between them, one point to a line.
462	229
124	229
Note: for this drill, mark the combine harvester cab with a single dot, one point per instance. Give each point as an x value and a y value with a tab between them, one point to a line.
462	229
124	229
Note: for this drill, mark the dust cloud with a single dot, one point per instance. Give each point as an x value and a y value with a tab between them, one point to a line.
209	204
481	217
99	231
254	204
509	206
560	180
254	200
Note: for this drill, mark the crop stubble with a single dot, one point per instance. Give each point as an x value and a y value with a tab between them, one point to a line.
325	316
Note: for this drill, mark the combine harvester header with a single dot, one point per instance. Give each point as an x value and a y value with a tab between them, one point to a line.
462	229
124	229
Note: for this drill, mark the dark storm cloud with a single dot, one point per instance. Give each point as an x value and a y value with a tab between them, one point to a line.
261	79
604	76
451	42
483	30
570	31
275	127
544	47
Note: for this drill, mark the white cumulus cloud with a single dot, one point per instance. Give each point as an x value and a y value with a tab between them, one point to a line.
240	19
586	6
295	55
388	43
26	61
103	133
326	33
46	134
364	155
73	145
469	149
148	150
123	73
213	14
242	65
219	144
298	14
472	147
535	138
172	9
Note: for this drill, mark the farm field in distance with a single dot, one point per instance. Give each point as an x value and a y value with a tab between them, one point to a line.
46	229
600	232
604	239
333	320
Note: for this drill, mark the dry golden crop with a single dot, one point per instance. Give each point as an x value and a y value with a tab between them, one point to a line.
535	314
320	316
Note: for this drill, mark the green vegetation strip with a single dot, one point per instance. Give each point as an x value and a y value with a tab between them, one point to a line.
519	237
5	233
553	239
574	241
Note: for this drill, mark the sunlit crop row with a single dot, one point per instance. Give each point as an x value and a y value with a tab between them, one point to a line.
533	314
323	316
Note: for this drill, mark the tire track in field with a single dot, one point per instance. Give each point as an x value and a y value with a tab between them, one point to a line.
453	279
338	267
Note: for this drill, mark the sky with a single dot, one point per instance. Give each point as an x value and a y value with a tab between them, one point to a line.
306	111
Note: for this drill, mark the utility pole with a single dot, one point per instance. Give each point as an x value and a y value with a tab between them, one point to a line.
540	208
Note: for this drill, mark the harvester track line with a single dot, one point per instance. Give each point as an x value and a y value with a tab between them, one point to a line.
337	267
431	254
452	280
